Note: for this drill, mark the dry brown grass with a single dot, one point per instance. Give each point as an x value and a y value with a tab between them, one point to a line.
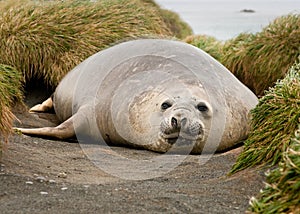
10	91
46	39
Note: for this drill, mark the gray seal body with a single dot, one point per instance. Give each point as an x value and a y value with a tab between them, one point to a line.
155	94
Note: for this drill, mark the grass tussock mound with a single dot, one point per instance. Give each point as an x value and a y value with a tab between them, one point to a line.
281	195
261	59
208	44
46	39
274	121
178	27
10	91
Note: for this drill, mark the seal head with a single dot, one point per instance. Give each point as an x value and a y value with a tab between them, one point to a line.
175	120
184	121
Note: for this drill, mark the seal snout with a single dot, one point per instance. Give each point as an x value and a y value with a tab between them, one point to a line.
184	124
181	127
177	123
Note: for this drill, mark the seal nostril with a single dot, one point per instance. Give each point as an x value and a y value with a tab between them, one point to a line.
183	121
174	122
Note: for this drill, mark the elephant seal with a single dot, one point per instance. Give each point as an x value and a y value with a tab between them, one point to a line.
154	94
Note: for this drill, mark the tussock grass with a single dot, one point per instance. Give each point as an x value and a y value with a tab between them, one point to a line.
281	194
207	43
10	91
260	59
274	121
179	28
46	39
235	53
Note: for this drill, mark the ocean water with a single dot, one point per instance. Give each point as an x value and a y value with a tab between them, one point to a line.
223	19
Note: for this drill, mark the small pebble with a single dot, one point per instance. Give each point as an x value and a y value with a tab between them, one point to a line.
40	179
52	181
2	166
36	116
64	188
29	182
44	193
62	175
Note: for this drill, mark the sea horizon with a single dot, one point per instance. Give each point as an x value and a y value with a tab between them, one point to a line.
225	19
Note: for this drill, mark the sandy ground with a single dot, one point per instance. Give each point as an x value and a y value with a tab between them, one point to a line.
49	176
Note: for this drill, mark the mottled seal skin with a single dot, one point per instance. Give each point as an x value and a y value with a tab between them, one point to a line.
155	94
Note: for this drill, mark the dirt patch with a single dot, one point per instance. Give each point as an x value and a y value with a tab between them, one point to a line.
50	176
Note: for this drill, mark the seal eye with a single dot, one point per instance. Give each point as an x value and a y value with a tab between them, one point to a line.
202	107
165	105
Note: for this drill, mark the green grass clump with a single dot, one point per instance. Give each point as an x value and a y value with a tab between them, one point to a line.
179	28
235	53
281	195
46	39
260	59
208	44
10	91
274	121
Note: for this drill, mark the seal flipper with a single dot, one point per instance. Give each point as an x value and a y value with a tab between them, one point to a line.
66	129
46	106
63	131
